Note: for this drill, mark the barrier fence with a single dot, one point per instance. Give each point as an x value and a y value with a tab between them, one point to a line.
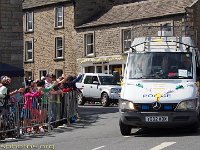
38	114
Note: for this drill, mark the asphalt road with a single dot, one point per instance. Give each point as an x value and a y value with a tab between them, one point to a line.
98	129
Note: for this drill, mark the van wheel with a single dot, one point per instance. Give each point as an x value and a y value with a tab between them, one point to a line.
80	98
125	129
105	100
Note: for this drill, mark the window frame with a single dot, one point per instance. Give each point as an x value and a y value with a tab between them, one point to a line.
28	73
57	21
59	49
57	74
26	51
89	44
126	40
27	21
42	74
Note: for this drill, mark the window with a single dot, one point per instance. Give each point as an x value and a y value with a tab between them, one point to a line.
89	69
126	39
166	29
89	44
29	50
58	73
29	21
99	69
28	74
95	79
88	80
58	47
59	17
43	73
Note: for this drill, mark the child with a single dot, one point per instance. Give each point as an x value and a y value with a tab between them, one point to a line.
26	110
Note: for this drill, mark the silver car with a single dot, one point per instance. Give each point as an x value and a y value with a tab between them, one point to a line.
98	87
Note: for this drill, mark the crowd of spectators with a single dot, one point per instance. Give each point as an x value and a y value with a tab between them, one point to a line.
41	99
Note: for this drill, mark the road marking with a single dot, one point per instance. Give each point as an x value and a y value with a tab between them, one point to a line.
127	136
163	145
98	147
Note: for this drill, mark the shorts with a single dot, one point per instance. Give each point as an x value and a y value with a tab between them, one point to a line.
25	114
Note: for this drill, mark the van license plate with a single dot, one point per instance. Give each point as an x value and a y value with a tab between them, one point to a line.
156	118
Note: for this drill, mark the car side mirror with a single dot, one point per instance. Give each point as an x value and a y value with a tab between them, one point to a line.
95	82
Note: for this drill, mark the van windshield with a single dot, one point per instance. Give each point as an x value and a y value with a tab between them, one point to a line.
160	65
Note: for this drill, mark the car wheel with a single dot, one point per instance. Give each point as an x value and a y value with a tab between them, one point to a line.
125	129
105	100
80	98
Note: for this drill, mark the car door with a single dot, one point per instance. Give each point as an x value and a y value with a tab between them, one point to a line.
87	86
94	88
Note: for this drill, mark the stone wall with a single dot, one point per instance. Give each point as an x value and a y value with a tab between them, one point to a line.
44	41
11	35
196	23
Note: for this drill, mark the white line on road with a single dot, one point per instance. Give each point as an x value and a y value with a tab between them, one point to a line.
98	147
163	145
127	136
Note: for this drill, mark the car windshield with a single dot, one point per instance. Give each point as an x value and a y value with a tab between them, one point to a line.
108	80
159	65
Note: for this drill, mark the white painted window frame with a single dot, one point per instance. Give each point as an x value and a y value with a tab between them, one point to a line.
89	44
29	21
59	49
57	21
41	72
28	50
125	40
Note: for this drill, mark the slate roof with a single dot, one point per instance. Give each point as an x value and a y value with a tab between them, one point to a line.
140	10
37	3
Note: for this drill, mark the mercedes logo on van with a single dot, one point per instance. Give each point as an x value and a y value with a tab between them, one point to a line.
156	105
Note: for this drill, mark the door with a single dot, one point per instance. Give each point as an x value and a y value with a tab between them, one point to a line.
94	88
87	86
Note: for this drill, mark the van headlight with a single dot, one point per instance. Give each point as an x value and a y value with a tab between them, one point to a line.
115	90
126	105
187	105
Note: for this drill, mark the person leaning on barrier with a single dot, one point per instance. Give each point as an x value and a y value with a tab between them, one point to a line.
70	83
4	91
4	98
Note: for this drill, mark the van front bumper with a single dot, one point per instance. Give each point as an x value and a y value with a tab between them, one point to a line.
175	119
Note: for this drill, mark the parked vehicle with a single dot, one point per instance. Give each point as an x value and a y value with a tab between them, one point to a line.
98	87
161	85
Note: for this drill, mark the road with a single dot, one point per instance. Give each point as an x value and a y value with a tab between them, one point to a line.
98	129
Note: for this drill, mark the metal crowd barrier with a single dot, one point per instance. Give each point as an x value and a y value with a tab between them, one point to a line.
42	114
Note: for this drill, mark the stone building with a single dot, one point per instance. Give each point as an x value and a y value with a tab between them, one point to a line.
49	37
105	35
74	36
11	36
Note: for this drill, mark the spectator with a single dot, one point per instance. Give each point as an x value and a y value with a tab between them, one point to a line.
27	108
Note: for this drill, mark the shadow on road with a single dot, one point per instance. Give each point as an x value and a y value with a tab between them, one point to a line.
88	115
165	132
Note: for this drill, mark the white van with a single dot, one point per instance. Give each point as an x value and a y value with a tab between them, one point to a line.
160	85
